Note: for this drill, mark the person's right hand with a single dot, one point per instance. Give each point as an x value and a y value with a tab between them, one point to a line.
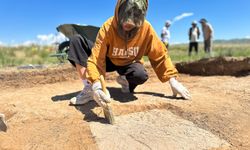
99	95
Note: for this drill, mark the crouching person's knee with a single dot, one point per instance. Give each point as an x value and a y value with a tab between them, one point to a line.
139	75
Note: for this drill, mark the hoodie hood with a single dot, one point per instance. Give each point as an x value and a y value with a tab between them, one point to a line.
132	11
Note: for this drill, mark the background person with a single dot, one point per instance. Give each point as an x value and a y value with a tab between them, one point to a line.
207	35
194	34
165	33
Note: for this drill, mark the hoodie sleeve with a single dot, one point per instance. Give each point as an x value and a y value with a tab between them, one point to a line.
96	62
159	58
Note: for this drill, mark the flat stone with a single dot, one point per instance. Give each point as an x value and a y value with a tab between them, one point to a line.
155	129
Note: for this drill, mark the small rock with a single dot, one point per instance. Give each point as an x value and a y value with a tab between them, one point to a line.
3	125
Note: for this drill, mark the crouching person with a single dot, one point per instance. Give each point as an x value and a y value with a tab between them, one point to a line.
120	45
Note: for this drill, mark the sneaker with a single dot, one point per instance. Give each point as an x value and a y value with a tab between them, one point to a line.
124	83
83	97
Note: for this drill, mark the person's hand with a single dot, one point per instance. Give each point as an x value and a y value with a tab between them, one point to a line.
178	88
99	95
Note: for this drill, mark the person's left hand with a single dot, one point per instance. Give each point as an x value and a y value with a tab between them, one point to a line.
178	88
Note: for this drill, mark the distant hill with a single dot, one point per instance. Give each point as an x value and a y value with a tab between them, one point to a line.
233	41
221	41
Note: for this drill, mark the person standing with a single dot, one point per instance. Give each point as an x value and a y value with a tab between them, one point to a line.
165	33
194	34
207	35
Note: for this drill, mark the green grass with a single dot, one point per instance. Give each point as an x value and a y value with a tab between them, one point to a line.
180	52
22	55
16	56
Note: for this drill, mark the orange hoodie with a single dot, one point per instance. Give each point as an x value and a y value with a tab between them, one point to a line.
145	43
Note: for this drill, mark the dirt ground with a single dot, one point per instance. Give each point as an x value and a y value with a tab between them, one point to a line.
36	105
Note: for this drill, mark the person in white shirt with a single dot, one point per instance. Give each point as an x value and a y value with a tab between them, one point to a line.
165	33
194	34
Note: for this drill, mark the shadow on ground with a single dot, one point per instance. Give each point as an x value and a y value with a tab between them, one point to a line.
117	95
86	109
89	114
64	97
161	95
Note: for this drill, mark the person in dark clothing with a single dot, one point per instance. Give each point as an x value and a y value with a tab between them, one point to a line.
194	34
79	51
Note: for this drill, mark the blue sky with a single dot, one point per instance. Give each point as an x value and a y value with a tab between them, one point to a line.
24	21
